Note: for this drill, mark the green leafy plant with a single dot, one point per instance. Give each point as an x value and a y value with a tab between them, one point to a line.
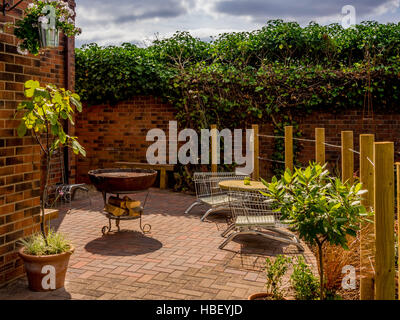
275	270
304	283
27	28
43	116
319	207
55	243
277	74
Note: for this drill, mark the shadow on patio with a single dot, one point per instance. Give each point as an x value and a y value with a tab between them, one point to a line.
124	243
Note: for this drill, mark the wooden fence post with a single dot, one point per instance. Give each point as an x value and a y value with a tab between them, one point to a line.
289	148
384	221
163	179
320	146
367	233
256	153
347	157
214	147
398	214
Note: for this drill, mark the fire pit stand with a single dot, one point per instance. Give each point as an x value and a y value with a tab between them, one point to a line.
146	228
123	181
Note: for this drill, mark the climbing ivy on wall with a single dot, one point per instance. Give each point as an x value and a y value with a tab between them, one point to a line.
267	75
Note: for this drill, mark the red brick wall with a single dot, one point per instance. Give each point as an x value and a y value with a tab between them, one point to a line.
118	133
20	158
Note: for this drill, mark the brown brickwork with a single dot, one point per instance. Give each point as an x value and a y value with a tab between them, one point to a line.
118	133
20	158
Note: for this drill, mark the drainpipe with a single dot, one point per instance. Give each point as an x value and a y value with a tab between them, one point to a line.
68	46
67	82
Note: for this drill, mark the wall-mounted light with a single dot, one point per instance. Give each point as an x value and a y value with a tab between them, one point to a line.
7	6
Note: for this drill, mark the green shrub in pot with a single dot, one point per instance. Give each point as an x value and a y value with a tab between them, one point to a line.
43	116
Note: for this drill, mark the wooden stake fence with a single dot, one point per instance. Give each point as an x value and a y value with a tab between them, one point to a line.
384	220
256	153
320	145
398	216
289	148
367	234
347	157
214	146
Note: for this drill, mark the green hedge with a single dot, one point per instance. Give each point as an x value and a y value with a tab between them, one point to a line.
259	72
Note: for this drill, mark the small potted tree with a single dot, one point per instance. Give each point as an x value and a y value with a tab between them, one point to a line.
275	271
320	208
46	256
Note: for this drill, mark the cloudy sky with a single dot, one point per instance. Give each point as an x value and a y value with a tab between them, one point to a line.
140	21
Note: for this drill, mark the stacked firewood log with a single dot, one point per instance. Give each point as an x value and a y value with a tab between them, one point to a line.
125	206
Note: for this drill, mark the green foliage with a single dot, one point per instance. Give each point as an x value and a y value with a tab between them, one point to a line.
45	112
305	284
27	28
248	71
320	208
37	246
275	270
268	75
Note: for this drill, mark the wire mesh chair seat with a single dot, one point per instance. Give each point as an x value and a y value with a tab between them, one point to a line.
253	215
268	221
215	200
209	193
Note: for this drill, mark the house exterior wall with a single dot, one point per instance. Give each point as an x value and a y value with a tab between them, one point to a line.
20	159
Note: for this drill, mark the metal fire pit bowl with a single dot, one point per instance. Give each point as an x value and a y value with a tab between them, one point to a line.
122	180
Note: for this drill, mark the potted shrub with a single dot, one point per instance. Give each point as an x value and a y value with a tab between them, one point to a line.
304	283
274	270
41	24
46	260
319	207
46	256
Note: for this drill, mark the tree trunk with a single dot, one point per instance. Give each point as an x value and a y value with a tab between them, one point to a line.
44	197
321	271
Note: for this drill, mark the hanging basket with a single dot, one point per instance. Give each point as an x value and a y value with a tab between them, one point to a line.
49	38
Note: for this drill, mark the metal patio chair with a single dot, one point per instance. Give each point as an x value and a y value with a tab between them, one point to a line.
209	193
66	193
252	215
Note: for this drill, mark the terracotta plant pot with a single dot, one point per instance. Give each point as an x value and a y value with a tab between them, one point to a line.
46	273
261	296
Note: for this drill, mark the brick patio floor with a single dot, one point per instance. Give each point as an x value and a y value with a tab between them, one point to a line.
179	259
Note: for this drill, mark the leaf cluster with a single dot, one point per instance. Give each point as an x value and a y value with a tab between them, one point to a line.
44	115
317	206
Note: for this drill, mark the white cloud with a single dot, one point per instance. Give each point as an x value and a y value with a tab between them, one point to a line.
138	21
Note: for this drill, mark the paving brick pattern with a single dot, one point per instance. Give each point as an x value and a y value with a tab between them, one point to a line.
179	259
